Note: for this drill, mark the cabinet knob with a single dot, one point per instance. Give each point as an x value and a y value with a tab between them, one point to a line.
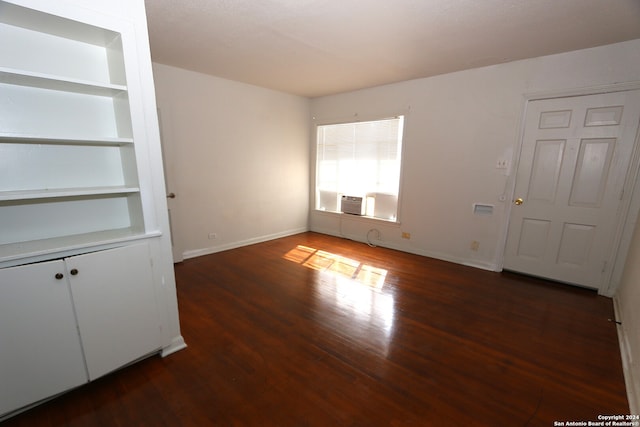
74	271
59	276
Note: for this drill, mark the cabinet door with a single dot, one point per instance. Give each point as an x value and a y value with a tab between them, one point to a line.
40	352
115	303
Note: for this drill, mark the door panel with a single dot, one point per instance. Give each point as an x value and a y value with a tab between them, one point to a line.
545	172
574	160
554	119
604	116
575	242
592	171
533	238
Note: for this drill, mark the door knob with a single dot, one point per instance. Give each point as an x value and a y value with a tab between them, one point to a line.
519	201
171	196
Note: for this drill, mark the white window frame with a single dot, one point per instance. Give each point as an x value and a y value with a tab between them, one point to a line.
327	199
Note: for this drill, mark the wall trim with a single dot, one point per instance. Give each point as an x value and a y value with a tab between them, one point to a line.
581	91
177	344
631	382
237	244
411	250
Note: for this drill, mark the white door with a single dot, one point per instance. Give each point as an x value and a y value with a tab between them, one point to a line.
170	186
575	156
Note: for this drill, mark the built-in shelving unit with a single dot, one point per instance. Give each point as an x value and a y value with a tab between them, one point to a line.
86	275
68	169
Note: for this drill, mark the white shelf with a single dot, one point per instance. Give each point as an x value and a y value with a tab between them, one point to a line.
53	82
21	138
6	196
71	175
58	26
64	47
15	253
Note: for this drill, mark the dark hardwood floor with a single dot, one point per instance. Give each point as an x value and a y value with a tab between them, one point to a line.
311	330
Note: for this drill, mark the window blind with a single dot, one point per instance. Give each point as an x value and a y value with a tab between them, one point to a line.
359	159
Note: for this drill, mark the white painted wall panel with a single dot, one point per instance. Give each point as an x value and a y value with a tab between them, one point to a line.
241	159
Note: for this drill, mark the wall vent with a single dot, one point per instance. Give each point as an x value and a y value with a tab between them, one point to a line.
482	209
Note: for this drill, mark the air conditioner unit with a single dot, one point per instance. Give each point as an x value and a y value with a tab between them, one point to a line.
352	205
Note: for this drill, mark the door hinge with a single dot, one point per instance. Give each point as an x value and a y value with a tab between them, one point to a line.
604	267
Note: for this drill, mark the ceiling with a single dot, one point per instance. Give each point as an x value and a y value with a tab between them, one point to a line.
321	47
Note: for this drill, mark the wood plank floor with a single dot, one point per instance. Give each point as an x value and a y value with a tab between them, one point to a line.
311	330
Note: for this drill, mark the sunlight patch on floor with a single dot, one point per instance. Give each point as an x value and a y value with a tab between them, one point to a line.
355	291
320	260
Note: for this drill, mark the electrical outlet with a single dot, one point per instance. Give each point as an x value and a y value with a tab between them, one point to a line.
213	236
475	245
502	164
406	235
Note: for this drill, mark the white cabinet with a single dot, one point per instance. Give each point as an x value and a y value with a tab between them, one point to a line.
40	351
63	320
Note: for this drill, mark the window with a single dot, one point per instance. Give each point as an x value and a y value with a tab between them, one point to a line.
360	160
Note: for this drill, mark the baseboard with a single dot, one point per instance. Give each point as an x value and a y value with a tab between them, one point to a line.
238	244
412	250
177	344
631	382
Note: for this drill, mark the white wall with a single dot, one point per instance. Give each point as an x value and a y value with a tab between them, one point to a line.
457	126
237	157
627	302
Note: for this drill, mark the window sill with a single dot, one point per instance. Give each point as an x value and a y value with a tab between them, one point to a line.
365	218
